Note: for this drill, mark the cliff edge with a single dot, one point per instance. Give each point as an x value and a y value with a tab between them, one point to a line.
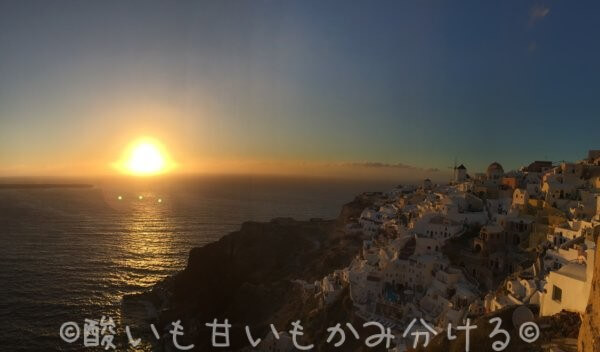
251	276
589	334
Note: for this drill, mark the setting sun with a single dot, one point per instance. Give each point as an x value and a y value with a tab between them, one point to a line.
145	157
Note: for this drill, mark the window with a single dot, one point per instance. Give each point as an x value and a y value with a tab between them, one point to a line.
556	293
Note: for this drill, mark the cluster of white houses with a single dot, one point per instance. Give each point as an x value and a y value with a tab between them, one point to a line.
534	243
475	245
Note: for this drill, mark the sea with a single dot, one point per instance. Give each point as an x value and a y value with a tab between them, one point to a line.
70	254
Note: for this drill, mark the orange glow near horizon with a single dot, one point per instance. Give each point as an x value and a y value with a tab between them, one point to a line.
145	157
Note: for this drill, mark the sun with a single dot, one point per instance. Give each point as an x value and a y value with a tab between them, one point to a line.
145	157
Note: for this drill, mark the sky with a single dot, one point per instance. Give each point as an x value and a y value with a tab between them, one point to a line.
361	87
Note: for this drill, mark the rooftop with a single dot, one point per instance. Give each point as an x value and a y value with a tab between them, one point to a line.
573	270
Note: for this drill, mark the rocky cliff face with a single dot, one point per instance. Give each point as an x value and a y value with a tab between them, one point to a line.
248	276
589	335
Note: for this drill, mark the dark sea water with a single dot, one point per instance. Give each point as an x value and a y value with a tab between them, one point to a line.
72	254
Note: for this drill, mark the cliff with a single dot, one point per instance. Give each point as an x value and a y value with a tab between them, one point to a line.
589	339
248	276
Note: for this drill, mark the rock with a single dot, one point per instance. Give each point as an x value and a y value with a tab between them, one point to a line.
589	340
247	276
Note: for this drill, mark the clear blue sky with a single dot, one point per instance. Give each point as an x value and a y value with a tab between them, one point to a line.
414	82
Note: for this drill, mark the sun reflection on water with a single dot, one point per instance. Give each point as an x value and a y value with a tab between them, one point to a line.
146	249
147	242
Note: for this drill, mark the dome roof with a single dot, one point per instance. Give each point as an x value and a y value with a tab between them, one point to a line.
495	168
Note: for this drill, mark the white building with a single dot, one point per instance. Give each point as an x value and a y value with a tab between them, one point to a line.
569	287
437	226
460	174
370	220
570	231
520	197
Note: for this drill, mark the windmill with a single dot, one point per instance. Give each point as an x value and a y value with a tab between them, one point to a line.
453	170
